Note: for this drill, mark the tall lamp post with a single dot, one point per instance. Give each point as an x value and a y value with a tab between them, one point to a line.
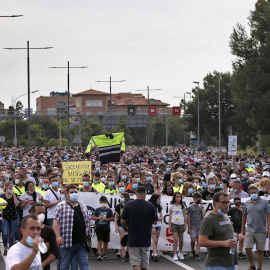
15	116
28	81
148	117
219	114
110	107
68	67
198	88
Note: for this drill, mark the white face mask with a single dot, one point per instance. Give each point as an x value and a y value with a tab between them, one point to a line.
103	205
41	217
17	181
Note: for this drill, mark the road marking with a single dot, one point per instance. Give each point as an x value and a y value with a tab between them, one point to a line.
177	262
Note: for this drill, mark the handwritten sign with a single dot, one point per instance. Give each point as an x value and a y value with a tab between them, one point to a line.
73	171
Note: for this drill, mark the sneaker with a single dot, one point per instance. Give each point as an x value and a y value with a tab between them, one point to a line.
240	256
184	253
155	258
118	255
5	252
124	259
175	257
104	257
99	258
180	255
197	258
192	253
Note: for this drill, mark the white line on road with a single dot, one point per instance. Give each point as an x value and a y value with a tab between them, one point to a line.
177	262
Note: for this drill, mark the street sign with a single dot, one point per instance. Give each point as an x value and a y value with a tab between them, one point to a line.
152	110
131	110
176	110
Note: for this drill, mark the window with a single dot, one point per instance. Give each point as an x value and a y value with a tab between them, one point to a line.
93	103
129	102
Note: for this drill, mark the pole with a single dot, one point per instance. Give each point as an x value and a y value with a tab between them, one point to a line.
148	119
219	117
166	130
28	80
184	116
68	100
110	112
15	126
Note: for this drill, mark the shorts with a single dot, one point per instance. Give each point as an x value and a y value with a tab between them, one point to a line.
103	235
120	228
158	228
252	237
139	256
177	228
233	267
194	233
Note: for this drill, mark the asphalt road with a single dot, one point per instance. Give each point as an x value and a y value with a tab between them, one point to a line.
165	262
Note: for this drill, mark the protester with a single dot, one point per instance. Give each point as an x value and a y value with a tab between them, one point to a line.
103	215
140	216
177	224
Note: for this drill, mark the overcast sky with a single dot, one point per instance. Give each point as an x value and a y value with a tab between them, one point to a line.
165	44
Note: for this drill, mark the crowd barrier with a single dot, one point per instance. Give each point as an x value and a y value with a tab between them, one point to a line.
91	200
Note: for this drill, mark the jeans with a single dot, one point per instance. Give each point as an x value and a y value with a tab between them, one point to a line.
77	250
9	229
233	267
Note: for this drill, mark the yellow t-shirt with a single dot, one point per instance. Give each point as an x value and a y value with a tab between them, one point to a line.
99	187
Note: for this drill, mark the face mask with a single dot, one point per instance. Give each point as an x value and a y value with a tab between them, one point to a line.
17	181
103	179
45	186
74	197
28	175
204	171
97	169
254	196
124	177
41	181
9	191
41	217
1	183
54	184
63	197
237	204
168	169
96	182
180	181
103	205
29	241
158	202
190	190
148	178
58	177
135	186
138	179
212	187
122	200
121	189
111	184
244	175
31	192
85	183
221	186
9	176
238	166
220	212
235	190
223	177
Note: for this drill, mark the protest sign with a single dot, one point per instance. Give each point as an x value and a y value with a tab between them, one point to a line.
73	171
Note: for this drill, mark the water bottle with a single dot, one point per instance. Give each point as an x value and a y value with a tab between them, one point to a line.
42	247
232	250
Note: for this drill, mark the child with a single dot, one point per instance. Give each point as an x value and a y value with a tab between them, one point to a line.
177	224
103	215
195	214
156	228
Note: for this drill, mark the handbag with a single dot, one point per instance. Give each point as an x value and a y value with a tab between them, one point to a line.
88	242
124	240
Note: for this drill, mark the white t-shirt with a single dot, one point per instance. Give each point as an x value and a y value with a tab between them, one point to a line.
24	197
18	253
177	214
49	196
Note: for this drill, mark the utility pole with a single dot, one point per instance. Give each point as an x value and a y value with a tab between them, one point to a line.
198	89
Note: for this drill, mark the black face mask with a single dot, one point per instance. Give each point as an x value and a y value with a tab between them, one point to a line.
238	203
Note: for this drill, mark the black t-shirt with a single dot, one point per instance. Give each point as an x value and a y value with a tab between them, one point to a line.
9	213
130	191
149	187
140	216
236	217
206	195
119	209
107	212
79	230
261	193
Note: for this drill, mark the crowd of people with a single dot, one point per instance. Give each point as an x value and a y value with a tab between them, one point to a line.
34	198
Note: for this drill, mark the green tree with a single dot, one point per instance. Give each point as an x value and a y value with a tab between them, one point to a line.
251	72
209	114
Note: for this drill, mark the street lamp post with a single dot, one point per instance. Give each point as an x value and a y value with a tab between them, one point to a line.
15	116
148	117
68	67
110	107
28	81
198	87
